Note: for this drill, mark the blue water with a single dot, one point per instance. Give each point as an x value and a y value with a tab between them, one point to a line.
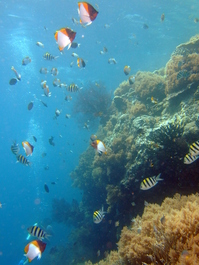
21	26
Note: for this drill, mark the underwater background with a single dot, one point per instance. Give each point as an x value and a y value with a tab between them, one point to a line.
133	33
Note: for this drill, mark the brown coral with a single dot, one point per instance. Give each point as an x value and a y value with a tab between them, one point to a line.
149	84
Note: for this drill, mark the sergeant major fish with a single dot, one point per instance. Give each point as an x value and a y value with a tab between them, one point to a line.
98	216
15	148
23	160
37	232
189	159
194	149
149	183
49	56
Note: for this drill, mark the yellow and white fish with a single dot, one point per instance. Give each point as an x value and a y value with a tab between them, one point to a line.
28	148
34	250
99	146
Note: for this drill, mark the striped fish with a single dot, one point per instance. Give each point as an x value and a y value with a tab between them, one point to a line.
15	148
49	56
149	183
189	159
37	232
194	149
72	88
98	216
23	160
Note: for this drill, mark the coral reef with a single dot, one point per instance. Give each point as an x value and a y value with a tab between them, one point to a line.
166	234
143	137
91	102
183	68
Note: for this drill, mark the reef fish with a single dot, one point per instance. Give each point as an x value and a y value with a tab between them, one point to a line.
183	74
112	61
80	63
43	70
35	139
28	148
51	141
23	160
149	183
87	13
34	249
37	232
131	79
54	71
26	60
15	148
18	76
98	216
75	45
49	56
13	81
64	37
46	188
189	159
99	146
162	17
40	44
30	105
194	149
154	100
93	137
127	69
73	88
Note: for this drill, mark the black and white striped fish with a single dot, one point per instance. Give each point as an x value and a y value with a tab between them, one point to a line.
15	148
149	183
23	160
189	158
98	216
37	232
194	149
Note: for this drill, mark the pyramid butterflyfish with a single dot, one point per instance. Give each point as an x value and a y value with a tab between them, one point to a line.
87	13
34	249
99	146
64	37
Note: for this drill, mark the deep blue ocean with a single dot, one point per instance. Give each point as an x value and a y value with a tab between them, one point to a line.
22	24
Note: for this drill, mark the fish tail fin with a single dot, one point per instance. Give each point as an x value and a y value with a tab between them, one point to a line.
56	57
12	67
47	236
158	177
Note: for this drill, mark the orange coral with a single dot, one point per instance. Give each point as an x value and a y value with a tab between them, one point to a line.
166	234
